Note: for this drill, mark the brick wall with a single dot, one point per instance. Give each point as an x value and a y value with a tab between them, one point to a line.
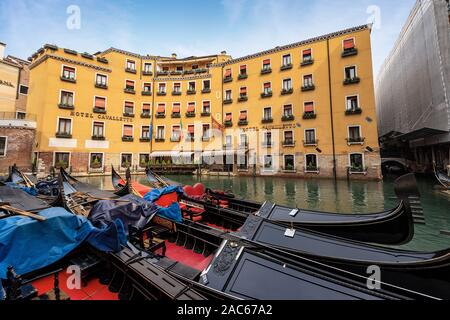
19	148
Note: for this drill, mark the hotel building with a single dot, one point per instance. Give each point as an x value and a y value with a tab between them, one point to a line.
306	109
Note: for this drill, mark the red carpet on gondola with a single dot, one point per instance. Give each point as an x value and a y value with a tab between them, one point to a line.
187	257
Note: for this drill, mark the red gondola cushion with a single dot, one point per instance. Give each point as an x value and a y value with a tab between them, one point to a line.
167	200
199	189
189	190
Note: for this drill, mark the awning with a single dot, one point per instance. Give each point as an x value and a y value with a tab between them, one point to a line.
164	154
186	154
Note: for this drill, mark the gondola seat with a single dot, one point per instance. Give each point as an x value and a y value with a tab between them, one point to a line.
195	192
167	200
140	188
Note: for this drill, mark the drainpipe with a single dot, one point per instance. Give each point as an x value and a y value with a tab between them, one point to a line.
152	108
331	109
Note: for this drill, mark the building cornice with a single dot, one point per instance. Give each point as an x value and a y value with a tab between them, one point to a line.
131	54
78	63
203	76
294	45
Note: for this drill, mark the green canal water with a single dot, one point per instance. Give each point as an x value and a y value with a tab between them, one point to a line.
331	196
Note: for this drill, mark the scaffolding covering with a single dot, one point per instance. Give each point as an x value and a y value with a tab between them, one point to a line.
412	89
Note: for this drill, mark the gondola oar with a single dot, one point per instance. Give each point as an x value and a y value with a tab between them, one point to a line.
7	207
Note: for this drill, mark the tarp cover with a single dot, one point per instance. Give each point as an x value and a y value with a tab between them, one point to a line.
30	190
21	200
29	245
173	211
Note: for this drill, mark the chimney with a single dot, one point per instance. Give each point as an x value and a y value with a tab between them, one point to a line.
223	53
174	55
2	50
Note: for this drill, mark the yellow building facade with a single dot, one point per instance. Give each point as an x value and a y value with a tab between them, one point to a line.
303	110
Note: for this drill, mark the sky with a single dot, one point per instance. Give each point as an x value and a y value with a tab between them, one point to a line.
194	27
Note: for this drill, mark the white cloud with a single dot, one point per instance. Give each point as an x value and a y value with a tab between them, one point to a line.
233	9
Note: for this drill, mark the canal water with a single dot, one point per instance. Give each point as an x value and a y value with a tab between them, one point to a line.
328	195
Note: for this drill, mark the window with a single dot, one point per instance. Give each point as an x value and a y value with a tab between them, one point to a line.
352	103
147	87
129	85
229	141
287	110
191	86
177	87
308	81
145	132
64	126
354	133
288	138
206	84
20	115
356	162
131	65
267	115
205	132
128	131
96	160
268	138
68	73
311	162
243	70
126	160
287	84
100	103
62	160
67	99
160	133
147	68
144	159
98	129
165	69
267	88
268	161
176	133
176	108
228	95
310	137
206	107
191	132
266	65
191	107
228	117
307	55
243	116
228	74
101	80
146	109
243	138
128	107
309	107
194	66
162	88
23	89
179	68
289	162
349	44
350	72
161	110
3	146
243	92
287	61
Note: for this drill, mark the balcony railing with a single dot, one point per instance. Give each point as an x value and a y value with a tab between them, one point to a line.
128	114
162	73
307	62
129	90
191	91
145	115
206	90
242	76
266	70
243	123
353	111
98	138
176	115
309	115
160	115
205	114
349	52
227	79
228	101
190	114
66	106
101	86
287	91
355	140
161	93
68	79
310	143
176	93
63	135
308	87
98	110
289	143
146	93
147	73
267	120
267	94
130	70
228	124
287	117
127	139
159	139
144	139
353	80
176	73
242	98
286	67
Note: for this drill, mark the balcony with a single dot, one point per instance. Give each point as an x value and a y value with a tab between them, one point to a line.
310	143
176	73
355	140
289	117
66	106
160	139
98	138
129	90
228	124
349	52
129	70
160	115
266	70
188	72
101	86
176	93
242	76
191	91
102	60
99	110
287	91
228	101
354	80
353	111
128	114
227	79
68	79
147	73
190	114
201	70
206	114
267	94
309	87
162	73
161	93
175	115
63	135
127	139
145	115
175	139
146	93
242	98
286	67
309	115
144	139
243	123
289	143
206	90
267	120
307	62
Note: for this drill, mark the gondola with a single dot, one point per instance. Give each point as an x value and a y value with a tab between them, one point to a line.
391	227
441	177
427	273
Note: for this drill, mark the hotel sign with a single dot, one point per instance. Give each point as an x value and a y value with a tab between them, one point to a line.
6	83
89	115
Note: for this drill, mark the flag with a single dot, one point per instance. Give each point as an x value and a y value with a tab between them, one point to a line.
216	124
181	130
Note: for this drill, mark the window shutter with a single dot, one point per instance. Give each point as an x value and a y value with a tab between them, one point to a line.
228	117
306	52
309	107
128	131
267	85
176	108
191	107
100	103
191	129
349	44
146	106
267	61
161	108
243	115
